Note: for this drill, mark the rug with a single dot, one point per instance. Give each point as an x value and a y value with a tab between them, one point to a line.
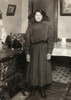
61	75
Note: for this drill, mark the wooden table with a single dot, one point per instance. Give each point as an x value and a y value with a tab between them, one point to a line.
8	53
62	49
61	54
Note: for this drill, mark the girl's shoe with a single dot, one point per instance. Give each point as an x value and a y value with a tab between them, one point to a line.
42	93
23	92
32	92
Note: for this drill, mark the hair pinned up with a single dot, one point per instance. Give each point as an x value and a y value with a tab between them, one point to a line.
45	17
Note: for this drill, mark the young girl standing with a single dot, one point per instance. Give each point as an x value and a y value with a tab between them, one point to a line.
39	45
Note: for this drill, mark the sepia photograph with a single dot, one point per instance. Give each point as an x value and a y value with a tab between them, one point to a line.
11	10
35	49
65	7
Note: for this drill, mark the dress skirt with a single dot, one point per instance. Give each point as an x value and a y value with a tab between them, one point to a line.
39	69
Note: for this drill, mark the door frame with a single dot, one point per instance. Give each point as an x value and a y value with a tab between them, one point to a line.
55	20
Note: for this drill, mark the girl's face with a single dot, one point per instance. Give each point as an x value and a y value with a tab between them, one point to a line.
38	17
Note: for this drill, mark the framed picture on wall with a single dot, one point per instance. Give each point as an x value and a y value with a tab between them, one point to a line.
11	10
65	7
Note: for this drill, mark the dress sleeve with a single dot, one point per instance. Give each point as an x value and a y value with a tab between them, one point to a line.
50	40
27	41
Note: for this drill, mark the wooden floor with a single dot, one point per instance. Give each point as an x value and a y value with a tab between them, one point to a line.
59	90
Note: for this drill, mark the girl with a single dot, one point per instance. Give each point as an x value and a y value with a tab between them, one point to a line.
39	47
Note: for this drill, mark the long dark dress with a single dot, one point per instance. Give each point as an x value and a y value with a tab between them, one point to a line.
38	44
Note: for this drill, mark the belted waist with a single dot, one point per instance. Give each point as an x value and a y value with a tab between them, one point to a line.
39	42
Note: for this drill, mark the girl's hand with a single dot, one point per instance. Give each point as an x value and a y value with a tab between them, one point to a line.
28	58
48	56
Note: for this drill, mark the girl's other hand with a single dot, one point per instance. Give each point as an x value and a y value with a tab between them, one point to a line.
48	56
28	57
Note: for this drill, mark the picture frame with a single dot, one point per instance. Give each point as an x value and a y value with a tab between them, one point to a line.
65	7
11	10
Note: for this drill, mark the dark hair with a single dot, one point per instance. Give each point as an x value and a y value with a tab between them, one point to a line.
45	17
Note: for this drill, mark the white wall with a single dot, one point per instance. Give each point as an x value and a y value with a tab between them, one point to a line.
64	24
11	23
25	10
17	23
